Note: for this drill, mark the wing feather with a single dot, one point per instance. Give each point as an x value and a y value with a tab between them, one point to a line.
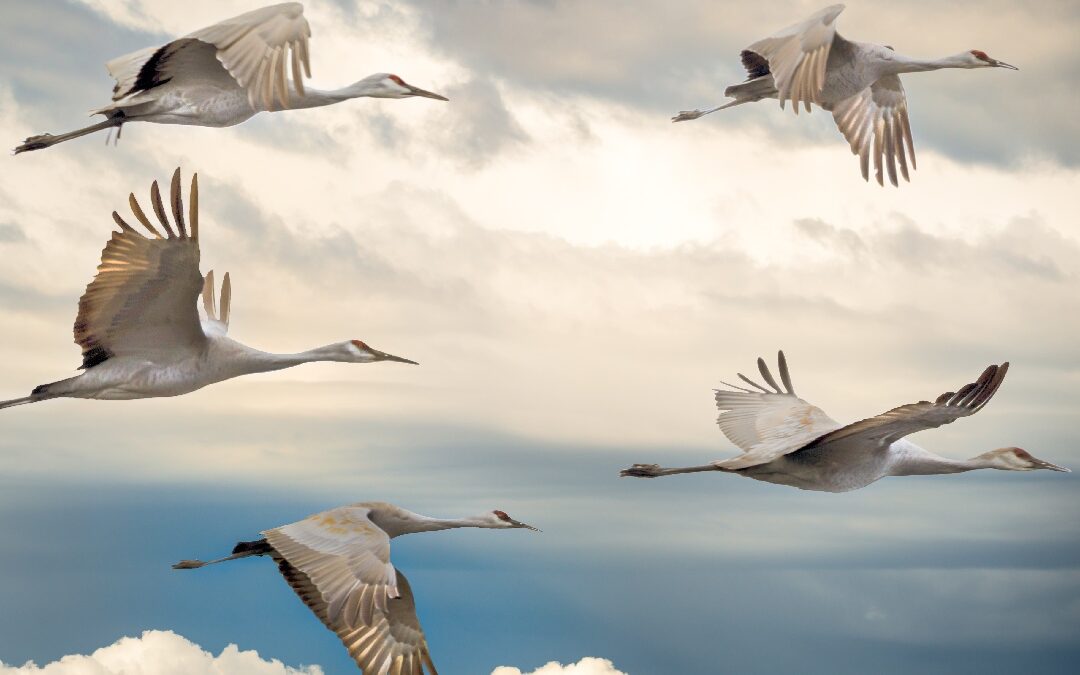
338	563
877	118
797	57
885	429
252	50
766	425
142	302
255	49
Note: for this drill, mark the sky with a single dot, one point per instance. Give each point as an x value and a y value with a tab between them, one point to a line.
574	275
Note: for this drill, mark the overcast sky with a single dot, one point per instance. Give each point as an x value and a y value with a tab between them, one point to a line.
575	274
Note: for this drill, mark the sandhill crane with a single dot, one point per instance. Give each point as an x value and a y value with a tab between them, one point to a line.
338	562
138	323
857	81
223	75
788	441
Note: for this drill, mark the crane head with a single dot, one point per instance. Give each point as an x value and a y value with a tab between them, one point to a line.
1017	459
386	85
359	352
501	520
979	59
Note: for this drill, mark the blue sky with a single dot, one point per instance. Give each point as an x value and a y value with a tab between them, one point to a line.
574	274
666	577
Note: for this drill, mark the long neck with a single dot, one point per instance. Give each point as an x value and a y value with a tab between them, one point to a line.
316	98
911	460
898	63
255	361
395	526
436	524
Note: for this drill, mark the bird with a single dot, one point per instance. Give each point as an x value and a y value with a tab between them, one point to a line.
138	322
859	82
338	562
223	75
787	441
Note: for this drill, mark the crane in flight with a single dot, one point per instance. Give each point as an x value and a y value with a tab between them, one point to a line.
858	82
788	441
338	562
223	75
138	322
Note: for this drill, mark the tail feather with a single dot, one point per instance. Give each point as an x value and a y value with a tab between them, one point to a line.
753	90
257	547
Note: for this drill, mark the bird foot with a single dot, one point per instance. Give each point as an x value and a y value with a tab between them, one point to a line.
686	115
189	565
642	471
36	143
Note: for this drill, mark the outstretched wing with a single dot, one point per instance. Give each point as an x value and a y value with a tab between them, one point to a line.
875	121
767	424
185	59
797	56
889	427
142	301
259	47
255	50
338	562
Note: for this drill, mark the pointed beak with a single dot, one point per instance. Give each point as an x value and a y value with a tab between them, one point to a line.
1053	467
383	356
524	526
417	91
1002	64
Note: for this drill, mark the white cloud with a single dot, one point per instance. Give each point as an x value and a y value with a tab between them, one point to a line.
162	653
586	666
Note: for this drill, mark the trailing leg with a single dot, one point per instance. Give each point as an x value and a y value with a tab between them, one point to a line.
47	140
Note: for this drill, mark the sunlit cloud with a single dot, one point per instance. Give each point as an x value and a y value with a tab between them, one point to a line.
586	666
158	652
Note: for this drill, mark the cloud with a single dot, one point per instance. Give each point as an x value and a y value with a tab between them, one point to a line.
10	233
1024	247
586	666
158	652
478	125
846	241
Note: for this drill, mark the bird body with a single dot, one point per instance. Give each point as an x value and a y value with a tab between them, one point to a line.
788	441
810	63
338	562
812	470
219	359
139	326
223	75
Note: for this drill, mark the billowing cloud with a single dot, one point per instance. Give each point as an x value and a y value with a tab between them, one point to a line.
586	666
158	652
